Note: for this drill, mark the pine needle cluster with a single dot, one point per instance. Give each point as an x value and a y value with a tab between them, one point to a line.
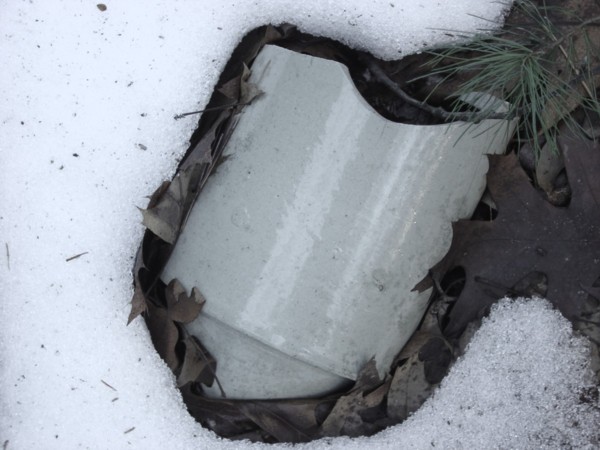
545	67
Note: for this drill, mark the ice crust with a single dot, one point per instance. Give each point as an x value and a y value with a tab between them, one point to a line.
87	100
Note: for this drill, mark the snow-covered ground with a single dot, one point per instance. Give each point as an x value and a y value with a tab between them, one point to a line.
87	99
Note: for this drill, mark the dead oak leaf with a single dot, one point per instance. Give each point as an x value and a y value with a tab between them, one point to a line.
530	235
181	307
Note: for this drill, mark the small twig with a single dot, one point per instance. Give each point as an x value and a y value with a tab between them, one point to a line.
438	287
108	385
129	430
493	284
590	292
215	108
595	70
71	258
7	255
558	41
593	322
433	110
577	72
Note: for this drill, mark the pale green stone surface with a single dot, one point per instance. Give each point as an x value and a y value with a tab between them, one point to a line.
309	239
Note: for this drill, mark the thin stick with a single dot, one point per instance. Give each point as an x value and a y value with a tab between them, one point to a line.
433	110
558	41
214	108
108	385
71	258
214	374
7	255
576	70
493	284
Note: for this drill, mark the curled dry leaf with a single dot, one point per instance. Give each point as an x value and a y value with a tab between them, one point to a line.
164	217
436	356
198	364
138	304
424	362
231	89
162	321
164	334
345	417
181	307
287	422
409	389
248	91
261	420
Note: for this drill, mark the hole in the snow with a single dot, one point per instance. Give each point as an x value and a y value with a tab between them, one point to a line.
279	289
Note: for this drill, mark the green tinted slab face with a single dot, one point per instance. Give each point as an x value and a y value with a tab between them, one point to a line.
308	240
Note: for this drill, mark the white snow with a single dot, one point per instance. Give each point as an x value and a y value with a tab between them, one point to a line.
87	100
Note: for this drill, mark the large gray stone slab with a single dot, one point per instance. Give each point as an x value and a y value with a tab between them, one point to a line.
308	240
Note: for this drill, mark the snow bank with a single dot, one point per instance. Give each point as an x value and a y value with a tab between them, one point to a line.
87	99
518	386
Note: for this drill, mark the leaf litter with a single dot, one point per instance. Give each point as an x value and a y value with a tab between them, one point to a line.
531	247
528	237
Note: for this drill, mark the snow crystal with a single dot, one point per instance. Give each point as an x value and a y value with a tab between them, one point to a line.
517	386
87	99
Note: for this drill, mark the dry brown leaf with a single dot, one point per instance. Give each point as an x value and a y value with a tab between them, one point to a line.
287	422
138	304
428	362
231	89
409	389
220	415
164	334
198	365
345	417
161	321
181	307
248	91
164	218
